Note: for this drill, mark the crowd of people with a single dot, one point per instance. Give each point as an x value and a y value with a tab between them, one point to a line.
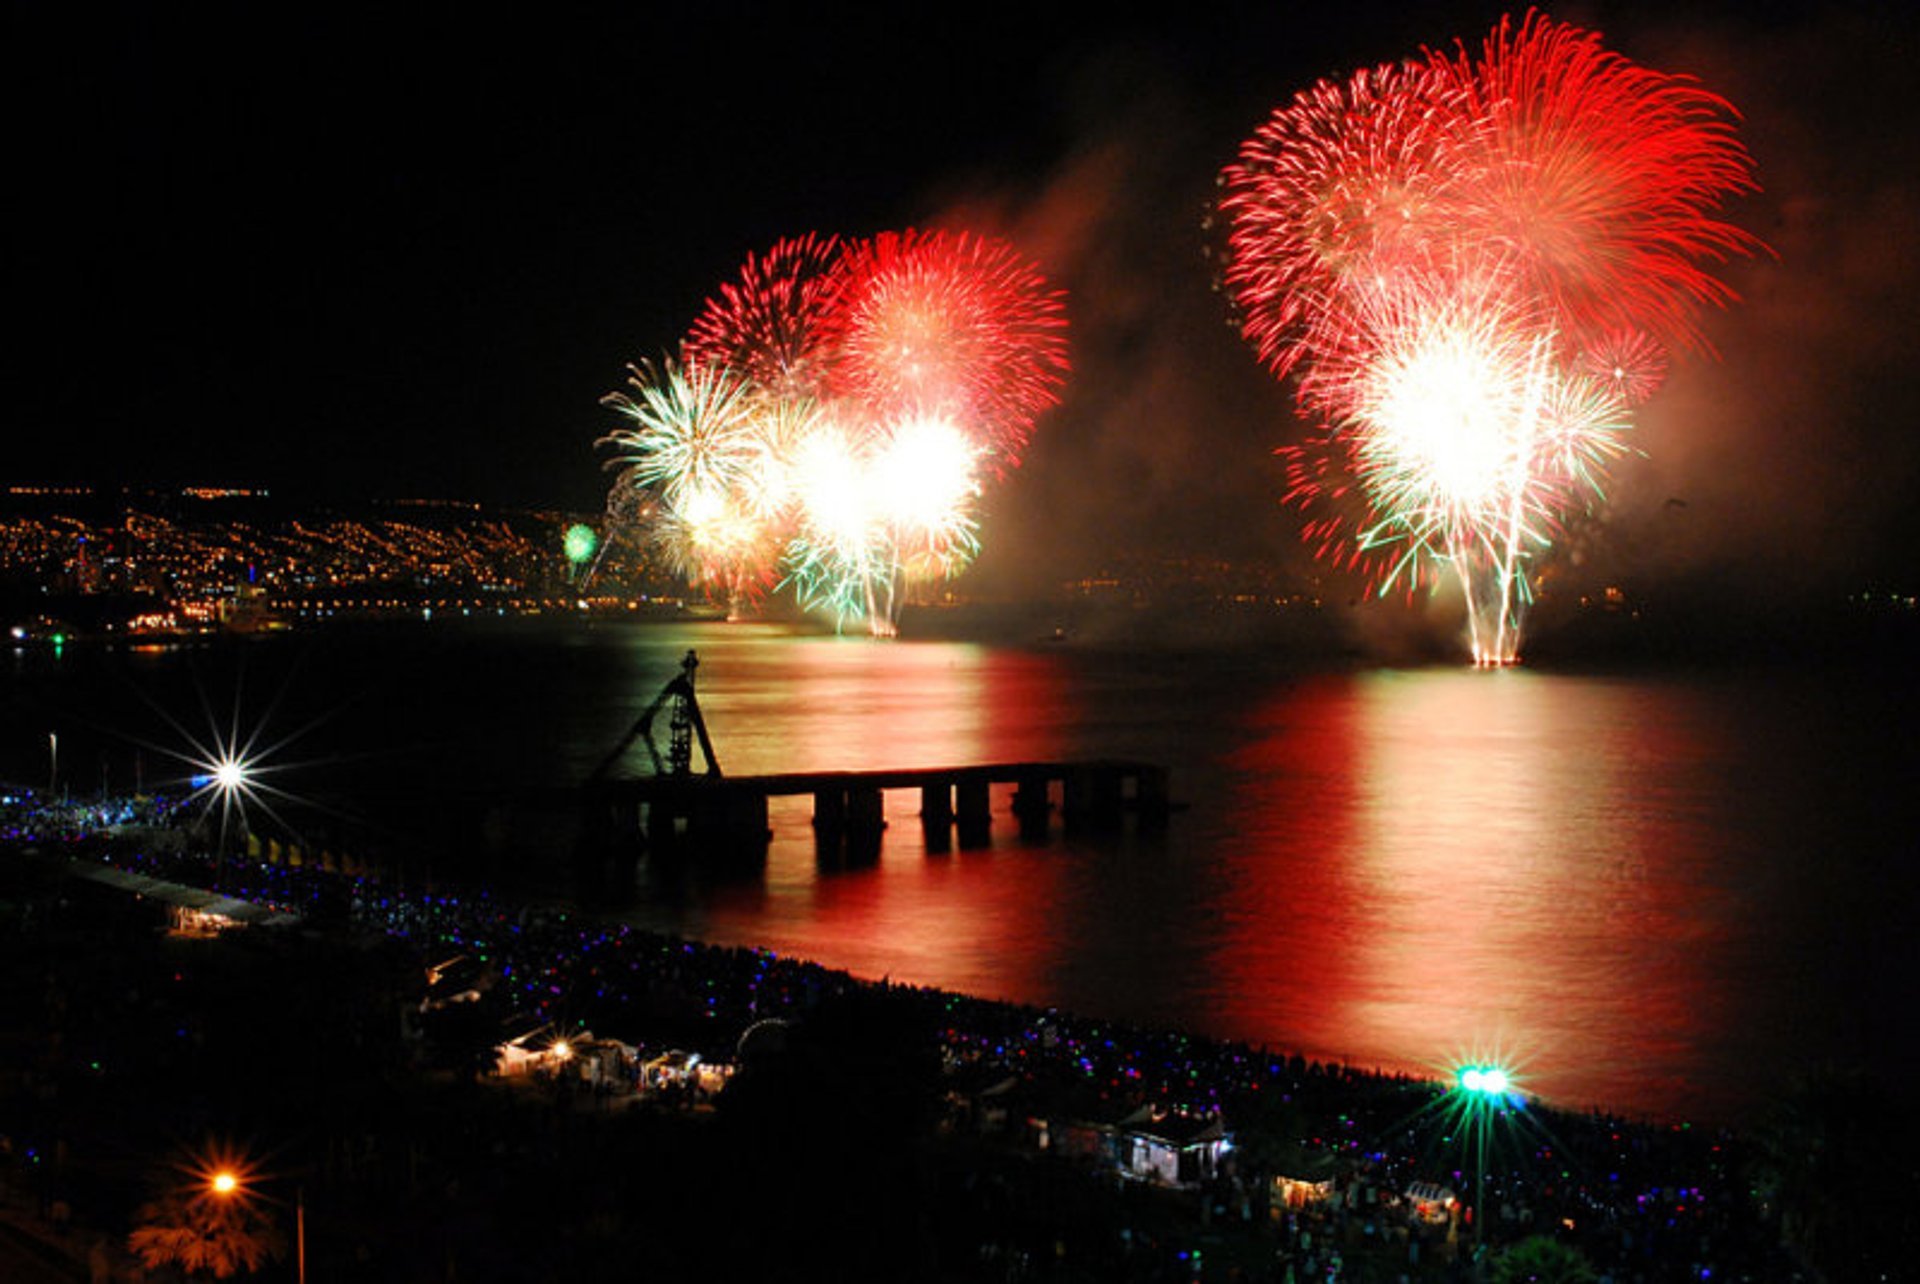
1640	1199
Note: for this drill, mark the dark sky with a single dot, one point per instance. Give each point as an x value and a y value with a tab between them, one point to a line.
403	250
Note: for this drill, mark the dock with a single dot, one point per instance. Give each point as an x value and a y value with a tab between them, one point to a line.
688	814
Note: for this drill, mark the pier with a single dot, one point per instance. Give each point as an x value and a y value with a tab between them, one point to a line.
678	812
727	815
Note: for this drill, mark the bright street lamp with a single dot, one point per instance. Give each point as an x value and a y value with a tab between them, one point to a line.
1488	1080
228	1184
1483	1090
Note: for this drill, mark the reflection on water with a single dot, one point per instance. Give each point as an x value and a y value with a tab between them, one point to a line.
1659	893
1401	869
1469	873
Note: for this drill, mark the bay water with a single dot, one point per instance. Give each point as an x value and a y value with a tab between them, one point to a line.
1666	892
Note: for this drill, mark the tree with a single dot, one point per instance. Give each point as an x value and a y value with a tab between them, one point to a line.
205	1234
1541	1259
1835	1166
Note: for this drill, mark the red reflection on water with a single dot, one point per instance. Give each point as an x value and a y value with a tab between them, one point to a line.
1444	865
801	703
962	918
1388	869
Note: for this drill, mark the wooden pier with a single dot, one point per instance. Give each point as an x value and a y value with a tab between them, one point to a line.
726	816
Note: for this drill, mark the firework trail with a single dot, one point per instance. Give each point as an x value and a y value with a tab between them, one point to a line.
1472	264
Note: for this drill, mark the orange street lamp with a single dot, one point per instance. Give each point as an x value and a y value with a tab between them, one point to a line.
227	1184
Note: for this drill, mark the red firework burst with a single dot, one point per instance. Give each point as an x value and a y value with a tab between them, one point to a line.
1629	361
1348	184
768	326
1592	181
1323	486
1475	262
1596	177
948	324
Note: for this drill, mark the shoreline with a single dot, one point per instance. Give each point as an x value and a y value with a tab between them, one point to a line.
341	895
450	919
1371	1134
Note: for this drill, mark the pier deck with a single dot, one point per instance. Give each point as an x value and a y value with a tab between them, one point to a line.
714	813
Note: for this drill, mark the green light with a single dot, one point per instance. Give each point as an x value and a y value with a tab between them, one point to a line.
580	542
1490	1081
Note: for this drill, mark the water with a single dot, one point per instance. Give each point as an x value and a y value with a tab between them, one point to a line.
1665	893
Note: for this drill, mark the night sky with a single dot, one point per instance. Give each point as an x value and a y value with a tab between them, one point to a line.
391	251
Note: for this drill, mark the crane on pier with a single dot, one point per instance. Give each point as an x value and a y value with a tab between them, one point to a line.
683	724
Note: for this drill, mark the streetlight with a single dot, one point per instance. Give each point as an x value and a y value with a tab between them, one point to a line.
1488	1081
1482	1091
227	1183
230	775
228	782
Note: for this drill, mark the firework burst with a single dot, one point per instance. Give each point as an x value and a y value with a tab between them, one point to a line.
839	559
1630	361
1473	264
951	325
833	413
705	446
1599	178
692	429
1344	187
925	473
769	325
